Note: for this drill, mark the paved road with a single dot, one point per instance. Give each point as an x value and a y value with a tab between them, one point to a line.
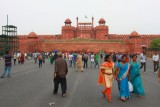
31	86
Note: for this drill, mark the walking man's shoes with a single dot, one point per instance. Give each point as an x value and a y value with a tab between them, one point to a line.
2	77
54	93
63	95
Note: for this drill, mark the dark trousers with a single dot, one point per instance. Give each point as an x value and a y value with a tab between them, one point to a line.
114	60
63	83
156	65
96	64
40	63
143	64
74	63
119	60
85	64
14	61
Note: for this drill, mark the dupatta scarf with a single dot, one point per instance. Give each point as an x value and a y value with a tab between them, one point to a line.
101	78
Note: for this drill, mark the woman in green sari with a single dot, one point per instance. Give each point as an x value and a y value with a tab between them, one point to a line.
135	77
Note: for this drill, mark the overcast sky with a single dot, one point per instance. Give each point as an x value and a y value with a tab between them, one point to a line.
48	16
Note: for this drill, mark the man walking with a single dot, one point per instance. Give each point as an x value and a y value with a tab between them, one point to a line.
8	64
61	70
74	59
40	60
70	58
92	60
15	58
114	57
35	57
119	57
55	56
96	59
85	59
43	57
155	58
143	59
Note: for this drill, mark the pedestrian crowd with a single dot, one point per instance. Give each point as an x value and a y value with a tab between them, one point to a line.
122	67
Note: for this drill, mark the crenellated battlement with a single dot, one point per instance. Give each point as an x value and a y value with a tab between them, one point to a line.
86	36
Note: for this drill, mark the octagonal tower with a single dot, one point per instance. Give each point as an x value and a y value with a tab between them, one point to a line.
101	30
68	30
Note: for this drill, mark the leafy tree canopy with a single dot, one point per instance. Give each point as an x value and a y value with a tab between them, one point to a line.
155	43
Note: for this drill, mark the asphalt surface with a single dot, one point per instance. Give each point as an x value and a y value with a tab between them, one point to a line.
31	86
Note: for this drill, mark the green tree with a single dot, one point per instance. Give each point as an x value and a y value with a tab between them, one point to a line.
155	43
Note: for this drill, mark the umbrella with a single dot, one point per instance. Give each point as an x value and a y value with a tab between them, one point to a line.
55	51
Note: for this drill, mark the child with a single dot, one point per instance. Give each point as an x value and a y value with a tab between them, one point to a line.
40	60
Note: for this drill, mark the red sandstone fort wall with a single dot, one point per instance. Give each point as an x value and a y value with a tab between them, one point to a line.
38	44
87	47
131	42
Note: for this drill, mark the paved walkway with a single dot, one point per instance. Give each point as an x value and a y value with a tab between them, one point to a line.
31	86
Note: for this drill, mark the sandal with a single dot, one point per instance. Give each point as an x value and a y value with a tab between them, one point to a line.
109	101
123	99
140	96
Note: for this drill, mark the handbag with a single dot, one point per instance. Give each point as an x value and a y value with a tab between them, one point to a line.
130	86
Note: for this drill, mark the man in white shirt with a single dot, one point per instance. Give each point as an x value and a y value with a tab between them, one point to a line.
70	58
143	60
155	59
15	58
35	55
119	57
92	59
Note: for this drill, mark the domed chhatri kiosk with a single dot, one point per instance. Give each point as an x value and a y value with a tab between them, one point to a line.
32	35
134	34
84	36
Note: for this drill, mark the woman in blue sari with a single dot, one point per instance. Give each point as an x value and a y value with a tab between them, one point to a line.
122	71
135	77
